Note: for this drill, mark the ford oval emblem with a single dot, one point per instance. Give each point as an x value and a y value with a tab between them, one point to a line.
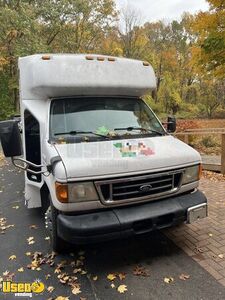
145	188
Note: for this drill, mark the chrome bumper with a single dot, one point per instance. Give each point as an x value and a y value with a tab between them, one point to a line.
197	212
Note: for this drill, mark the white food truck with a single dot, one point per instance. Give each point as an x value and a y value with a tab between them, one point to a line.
95	156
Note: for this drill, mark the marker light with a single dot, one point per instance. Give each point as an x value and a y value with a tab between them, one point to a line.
46	57
111	59
61	192
89	57
100	58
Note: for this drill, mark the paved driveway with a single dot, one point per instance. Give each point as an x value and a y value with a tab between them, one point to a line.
141	263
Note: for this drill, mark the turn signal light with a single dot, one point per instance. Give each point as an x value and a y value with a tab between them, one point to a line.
61	192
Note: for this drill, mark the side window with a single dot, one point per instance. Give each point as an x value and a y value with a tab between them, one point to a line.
32	143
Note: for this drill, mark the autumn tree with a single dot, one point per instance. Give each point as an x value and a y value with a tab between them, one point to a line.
209	30
29	27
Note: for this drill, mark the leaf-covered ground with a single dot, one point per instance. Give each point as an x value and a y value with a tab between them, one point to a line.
213	176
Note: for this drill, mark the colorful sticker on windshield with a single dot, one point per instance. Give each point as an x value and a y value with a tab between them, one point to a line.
134	149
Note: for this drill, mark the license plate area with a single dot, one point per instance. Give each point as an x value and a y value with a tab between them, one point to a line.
197	212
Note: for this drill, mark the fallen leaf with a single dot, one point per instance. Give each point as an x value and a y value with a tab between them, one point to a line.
62	298
111	276
184	276
12	257
210	234
50	289
140	271
6	273
30	240
8	276
198	249
33	226
21	269
113	285
122	288
28	253
47	238
16	207
95	278
121	276
168	279
77	270
76	289
57	271
221	256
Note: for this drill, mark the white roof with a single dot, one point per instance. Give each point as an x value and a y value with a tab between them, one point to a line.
79	74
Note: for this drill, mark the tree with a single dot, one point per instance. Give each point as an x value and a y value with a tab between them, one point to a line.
209	30
169	94
29	27
132	36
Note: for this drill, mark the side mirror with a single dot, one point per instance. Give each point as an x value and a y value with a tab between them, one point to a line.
171	124
10	138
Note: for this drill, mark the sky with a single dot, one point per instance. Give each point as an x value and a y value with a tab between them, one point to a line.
167	10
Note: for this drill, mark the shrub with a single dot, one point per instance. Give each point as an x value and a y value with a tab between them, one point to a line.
209	142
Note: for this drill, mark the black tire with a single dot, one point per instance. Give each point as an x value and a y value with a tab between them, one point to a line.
58	244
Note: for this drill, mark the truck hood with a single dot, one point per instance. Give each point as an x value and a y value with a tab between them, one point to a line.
118	157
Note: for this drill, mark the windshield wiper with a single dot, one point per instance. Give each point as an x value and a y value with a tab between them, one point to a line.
139	128
75	132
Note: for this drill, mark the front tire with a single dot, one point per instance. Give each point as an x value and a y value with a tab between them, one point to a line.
58	244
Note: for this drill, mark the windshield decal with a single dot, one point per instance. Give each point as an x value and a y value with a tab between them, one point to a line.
102	130
134	149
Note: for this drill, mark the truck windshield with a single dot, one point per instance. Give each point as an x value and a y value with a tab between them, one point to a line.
98	118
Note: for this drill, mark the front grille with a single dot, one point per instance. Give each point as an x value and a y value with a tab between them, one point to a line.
139	187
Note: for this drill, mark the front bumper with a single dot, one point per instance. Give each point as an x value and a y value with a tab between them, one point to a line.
131	220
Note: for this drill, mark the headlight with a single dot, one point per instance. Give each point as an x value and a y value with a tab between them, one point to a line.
82	191
192	174
76	192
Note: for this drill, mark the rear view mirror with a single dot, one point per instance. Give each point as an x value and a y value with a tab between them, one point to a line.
10	138
171	124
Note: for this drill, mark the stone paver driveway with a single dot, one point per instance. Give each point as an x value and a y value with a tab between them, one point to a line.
204	240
